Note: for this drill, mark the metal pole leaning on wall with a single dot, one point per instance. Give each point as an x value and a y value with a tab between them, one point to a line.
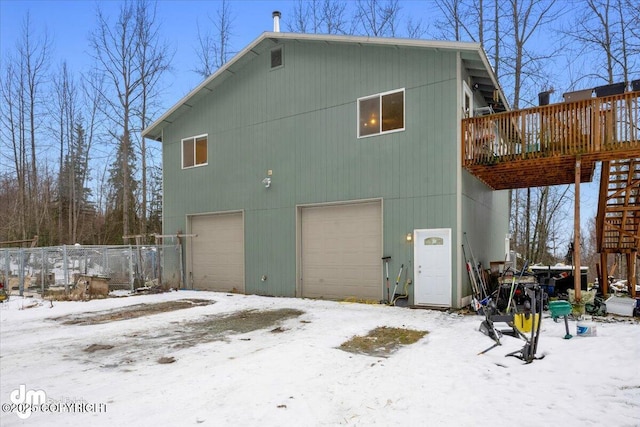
21	272
42	272
105	262
177	252
7	271
131	268
160	254
65	263
182	281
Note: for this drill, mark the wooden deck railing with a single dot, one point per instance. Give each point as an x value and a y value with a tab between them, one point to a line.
590	127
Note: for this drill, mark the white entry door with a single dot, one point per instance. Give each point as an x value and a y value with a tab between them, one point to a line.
432	263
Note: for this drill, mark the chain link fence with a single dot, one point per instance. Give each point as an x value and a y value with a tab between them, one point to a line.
123	267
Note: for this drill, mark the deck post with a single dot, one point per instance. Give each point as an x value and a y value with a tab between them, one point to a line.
604	273
631	273
577	276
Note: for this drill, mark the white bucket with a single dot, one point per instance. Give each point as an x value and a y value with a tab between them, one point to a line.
587	328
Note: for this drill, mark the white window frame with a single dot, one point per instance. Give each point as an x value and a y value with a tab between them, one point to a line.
194	138
467	93
380	95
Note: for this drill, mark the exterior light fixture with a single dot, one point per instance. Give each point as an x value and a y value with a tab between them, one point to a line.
409	237
267	181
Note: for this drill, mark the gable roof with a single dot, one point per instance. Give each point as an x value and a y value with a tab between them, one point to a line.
473	57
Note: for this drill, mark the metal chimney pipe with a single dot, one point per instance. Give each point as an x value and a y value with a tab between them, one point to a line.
276	21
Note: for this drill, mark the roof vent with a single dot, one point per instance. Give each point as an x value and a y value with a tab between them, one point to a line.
276	21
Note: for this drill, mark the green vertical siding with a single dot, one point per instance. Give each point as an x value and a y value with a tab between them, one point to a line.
300	121
270	243
485	220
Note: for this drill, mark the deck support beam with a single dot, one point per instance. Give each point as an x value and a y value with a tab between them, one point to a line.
577	273
604	273
631	273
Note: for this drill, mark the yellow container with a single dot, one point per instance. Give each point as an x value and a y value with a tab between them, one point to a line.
523	323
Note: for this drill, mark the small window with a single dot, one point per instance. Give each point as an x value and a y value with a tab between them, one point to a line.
381	113
434	241
194	151
467	102
276	57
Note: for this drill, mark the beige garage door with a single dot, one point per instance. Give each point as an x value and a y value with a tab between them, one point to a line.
341	248
217	253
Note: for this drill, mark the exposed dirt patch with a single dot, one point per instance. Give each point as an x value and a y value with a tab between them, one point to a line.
382	341
151	344
131	312
214	328
97	347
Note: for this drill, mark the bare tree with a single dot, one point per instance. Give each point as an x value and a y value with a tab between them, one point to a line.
153	60
608	34
63	110
521	61
540	219
74	112
415	29
115	52
213	49
456	23
127	55
306	15
474	20
334	17
319	16
377	18
9	211
33	52
101	191
12	116
632	8
92	120
22	94
497	40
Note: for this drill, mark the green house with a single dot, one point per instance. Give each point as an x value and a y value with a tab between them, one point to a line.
306	159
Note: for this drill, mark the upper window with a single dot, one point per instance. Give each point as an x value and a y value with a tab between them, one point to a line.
381	113
467	102
194	151
276	57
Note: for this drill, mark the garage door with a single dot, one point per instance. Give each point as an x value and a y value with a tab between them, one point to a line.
217	253
341	248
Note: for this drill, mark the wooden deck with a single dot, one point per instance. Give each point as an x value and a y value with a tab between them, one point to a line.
539	146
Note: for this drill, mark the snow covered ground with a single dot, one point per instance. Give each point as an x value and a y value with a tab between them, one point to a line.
299	377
